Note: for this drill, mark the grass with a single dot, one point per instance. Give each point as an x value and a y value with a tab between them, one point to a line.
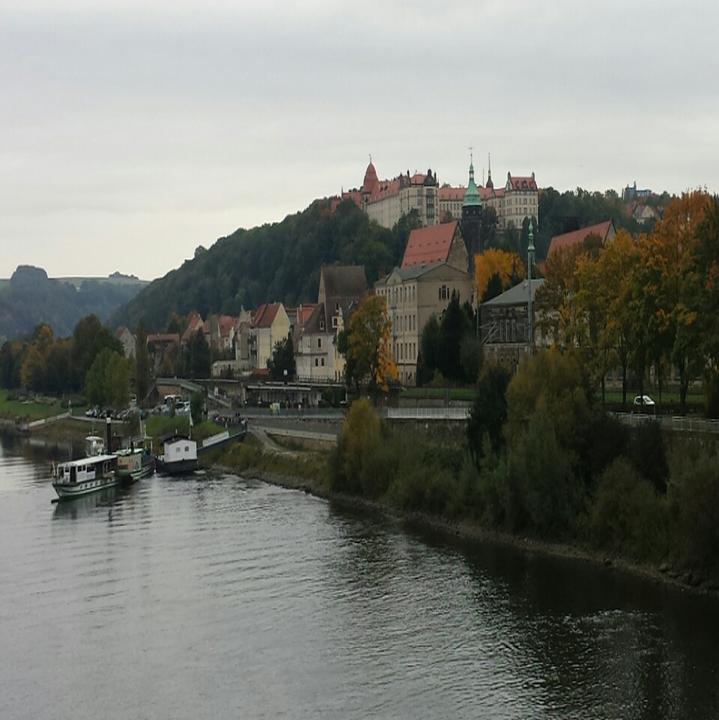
311	467
34	409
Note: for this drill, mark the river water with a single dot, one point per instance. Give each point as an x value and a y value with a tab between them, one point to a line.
218	597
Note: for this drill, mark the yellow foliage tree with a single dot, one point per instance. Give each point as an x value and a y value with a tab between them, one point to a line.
368	343
505	265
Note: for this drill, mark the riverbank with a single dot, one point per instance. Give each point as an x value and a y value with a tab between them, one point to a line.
308	472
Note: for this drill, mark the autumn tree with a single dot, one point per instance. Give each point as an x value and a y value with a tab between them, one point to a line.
614	269
504	265
560	317
368	343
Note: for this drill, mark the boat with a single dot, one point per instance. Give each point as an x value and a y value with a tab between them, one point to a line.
179	455
95	471
134	463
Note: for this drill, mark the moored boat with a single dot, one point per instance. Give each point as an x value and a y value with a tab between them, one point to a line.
134	463
179	455
96	471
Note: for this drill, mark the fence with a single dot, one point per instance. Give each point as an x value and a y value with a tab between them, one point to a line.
427	413
676	423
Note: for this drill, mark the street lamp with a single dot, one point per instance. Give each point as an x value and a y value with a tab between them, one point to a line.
530	262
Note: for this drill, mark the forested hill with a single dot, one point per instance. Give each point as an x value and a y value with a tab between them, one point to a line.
30	298
278	262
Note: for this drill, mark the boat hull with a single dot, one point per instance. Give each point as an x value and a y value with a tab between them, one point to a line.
126	475
177	467
85	487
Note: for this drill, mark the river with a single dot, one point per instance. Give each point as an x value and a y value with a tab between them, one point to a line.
218	597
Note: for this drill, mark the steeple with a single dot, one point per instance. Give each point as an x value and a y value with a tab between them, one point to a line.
490	184
471	194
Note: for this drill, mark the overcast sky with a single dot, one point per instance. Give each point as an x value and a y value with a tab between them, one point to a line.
132	132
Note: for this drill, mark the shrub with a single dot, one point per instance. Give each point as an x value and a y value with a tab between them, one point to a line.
694	497
543	493
646	452
489	411
552	382
627	516
357	445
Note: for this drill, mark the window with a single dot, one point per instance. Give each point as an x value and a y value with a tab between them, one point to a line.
444	293
319	342
317	362
334	322
323	362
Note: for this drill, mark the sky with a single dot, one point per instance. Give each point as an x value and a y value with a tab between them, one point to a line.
132	131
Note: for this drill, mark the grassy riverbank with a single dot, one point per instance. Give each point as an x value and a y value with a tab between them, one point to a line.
30	409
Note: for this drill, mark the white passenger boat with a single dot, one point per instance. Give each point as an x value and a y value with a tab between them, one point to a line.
94	472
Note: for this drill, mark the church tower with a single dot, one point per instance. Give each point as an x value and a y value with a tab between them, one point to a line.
472	217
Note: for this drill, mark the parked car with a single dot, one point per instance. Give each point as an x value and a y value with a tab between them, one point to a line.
645	402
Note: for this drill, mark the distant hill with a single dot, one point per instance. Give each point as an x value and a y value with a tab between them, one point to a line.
277	262
29	297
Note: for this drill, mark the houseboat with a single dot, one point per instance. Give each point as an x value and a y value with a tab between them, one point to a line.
96	471
179	455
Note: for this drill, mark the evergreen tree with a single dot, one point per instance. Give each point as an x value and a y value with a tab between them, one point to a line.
282	360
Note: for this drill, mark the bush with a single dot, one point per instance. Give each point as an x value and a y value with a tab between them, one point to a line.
608	438
489	412
646	452
627	516
552	382
694	497
493	494
543	493
355	460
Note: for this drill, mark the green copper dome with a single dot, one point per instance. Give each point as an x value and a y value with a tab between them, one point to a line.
471	194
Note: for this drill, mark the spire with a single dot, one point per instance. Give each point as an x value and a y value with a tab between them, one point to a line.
471	194
490	184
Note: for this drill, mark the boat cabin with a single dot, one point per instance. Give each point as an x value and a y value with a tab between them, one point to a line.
88	468
178	448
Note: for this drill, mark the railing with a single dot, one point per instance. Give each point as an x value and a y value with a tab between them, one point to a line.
427	413
676	423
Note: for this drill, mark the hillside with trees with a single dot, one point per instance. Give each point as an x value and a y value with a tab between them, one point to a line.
277	262
31	298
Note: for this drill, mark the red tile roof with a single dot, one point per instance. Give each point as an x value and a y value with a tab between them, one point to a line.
577	237
304	312
429	244
194	323
520	182
225	323
265	315
451	193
